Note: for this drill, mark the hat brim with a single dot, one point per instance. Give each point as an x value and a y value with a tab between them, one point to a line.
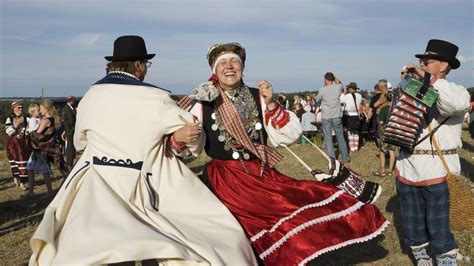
129	58
453	62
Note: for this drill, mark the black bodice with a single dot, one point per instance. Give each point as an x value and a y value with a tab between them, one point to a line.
214	148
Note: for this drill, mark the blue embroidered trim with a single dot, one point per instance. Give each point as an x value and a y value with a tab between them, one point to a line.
120	163
151	191
87	164
120	78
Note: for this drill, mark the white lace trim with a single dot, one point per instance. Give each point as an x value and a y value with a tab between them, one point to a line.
282	220
307	224
347	243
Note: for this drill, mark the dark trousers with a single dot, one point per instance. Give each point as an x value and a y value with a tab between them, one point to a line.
70	153
425	215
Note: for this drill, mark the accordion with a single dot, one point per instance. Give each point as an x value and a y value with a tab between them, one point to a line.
410	103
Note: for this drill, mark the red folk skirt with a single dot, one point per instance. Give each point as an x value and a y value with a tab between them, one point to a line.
291	221
18	153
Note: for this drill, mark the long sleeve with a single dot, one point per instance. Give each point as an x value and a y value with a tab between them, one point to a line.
80	135
453	99
9	129
172	114
286	134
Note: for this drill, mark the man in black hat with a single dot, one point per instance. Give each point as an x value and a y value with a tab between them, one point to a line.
421	177
137	200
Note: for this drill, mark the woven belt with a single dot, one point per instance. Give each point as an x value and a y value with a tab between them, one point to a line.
433	152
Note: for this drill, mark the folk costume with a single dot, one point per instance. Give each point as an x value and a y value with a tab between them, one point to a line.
18	146
287	221
124	200
421	177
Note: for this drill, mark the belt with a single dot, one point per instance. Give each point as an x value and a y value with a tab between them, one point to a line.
433	152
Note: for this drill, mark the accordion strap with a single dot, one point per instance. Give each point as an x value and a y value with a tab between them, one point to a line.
431	131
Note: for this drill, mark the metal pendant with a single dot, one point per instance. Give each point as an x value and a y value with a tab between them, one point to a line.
246	156
258	126
214	127
226	147
235	155
213	116
221	138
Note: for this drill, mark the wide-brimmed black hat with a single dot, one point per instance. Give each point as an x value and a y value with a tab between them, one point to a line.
443	51
129	48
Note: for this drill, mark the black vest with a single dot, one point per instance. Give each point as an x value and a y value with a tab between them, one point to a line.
214	148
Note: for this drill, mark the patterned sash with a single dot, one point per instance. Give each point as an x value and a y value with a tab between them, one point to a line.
233	124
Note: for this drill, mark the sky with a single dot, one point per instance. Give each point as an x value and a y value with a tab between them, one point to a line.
59	46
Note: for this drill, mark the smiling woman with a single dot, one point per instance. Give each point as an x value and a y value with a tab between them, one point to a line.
288	221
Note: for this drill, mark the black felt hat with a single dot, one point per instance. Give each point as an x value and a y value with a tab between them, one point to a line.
129	48
443	51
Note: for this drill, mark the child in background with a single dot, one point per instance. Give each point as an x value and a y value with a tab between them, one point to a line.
33	122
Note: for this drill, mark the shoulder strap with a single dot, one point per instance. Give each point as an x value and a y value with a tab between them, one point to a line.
438	150
355	103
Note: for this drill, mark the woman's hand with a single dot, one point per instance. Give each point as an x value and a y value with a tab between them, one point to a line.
266	90
188	133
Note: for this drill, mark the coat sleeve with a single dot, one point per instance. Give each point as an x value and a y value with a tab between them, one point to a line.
172	122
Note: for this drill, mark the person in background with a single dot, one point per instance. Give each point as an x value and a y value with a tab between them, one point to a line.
372	113
34	119
308	121
384	148
283	101
18	144
44	145
421	177
68	114
298	109
329	100
351	117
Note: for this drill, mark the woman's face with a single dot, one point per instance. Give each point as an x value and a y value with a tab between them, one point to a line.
18	111
229	73
43	111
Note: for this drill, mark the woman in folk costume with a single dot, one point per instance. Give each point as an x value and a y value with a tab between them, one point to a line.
18	144
288	221
124	200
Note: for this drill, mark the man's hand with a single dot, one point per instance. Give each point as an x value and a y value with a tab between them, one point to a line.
188	133
416	71
266	90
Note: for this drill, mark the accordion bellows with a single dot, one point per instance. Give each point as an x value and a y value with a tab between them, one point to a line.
409	107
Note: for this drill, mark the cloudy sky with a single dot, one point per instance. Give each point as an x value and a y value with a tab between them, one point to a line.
60	45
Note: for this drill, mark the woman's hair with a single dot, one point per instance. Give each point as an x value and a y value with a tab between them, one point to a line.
124	66
32	107
48	105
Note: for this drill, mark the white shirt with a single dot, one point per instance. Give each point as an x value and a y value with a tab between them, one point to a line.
453	102
351	107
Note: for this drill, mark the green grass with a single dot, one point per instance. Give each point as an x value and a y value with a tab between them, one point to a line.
19	218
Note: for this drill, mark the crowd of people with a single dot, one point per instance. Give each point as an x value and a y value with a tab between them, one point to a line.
129	197
35	143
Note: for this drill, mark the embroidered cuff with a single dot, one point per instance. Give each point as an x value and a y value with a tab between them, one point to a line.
176	145
278	116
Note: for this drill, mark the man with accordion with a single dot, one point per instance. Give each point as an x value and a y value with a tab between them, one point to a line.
421	176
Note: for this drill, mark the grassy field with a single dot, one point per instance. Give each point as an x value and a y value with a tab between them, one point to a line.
19	217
